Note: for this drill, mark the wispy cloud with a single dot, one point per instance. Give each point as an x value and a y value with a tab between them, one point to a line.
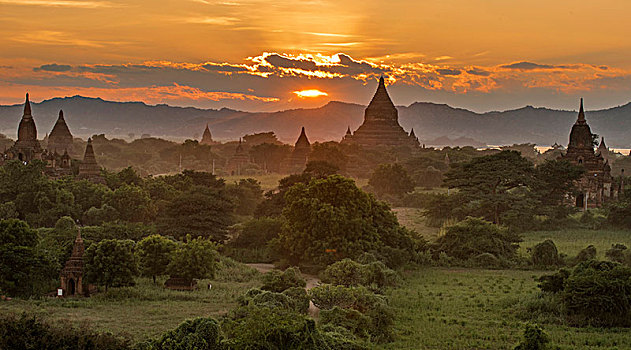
329	35
220	21
48	37
61	3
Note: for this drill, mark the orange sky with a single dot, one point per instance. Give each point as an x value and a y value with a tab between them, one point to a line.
254	54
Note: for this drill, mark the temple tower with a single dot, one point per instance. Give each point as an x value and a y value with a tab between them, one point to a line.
381	124
297	160
236	163
89	169
595	187
26	148
60	138
207	138
71	277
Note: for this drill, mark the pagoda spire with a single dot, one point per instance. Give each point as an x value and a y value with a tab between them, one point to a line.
303	140
27	106
581	114
61	114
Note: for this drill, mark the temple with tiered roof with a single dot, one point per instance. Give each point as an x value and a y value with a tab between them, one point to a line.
296	162
596	186
381	124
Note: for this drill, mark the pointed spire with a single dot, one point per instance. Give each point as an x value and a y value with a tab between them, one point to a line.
382	81
61	114
303	141
581	114
602	143
348	131
412	133
27	106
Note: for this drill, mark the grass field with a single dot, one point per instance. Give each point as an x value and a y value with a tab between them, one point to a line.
141	312
441	308
573	241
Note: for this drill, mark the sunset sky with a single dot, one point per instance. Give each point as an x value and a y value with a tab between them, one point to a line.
260	55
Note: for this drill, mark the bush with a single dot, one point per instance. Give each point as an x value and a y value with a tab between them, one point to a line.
534	339
352	320
589	253
30	332
545	254
472	236
257	232
295	299
553	283
251	327
348	273
200	333
277	281
598	293
616	253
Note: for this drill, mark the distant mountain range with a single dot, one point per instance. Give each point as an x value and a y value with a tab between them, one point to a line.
434	124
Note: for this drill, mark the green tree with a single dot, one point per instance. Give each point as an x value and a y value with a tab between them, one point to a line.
200	334
493	185
553	181
320	169
24	269
331	219
154	255
110	263
534	339
247	194
391	179
131	202
202	211
194	259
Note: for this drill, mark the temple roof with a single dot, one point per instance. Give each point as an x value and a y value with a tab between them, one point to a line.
88	157
581	114
27	131
381	106
303	141
581	134
60	130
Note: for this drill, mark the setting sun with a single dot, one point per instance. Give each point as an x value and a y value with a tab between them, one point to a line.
310	93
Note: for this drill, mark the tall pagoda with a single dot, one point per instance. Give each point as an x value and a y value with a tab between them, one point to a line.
26	148
207	138
596	186
381	124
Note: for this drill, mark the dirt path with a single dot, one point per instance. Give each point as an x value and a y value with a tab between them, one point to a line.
311	280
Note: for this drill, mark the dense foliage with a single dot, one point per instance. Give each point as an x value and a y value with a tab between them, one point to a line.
111	263
330	219
391	179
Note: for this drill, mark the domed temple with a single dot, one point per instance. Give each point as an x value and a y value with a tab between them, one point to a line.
381	124
596	186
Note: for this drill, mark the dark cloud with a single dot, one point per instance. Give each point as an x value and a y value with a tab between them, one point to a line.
448	71
346	66
53	67
277	60
531	66
480	72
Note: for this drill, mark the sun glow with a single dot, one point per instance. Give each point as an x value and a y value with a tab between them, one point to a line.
310	93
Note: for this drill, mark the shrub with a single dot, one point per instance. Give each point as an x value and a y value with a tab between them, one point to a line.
299	299
349	319
252	327
553	283
616	253
277	281
589	253
473	236
545	254
30	332
598	293
294	298
200	333
350	273
534	339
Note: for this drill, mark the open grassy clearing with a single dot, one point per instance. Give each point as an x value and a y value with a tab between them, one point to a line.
142	311
452	308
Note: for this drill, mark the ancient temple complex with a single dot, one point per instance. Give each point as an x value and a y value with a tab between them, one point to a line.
297	160
71	277
89	169
381	124
596	186
207	138
60	138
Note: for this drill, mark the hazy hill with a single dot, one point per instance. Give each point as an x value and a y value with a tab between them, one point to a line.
433	123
